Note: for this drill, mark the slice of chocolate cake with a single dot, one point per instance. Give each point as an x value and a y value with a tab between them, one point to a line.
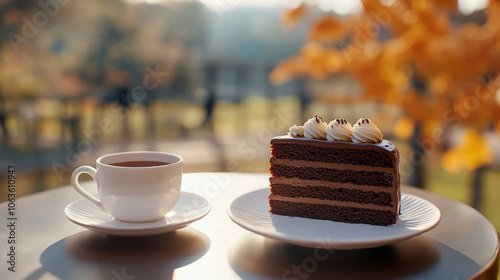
317	172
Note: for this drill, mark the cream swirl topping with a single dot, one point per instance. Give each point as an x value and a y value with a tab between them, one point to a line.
296	131
339	130
315	128
365	131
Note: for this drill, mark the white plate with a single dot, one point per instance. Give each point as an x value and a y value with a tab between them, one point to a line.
189	208
251	211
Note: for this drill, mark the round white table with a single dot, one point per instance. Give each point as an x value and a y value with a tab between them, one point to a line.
464	245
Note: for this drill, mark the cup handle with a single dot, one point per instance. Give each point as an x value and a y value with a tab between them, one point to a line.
74	181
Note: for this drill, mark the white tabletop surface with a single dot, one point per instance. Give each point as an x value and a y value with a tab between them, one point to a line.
49	246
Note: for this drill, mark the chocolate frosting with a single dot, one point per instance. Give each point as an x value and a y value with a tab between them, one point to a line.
385	144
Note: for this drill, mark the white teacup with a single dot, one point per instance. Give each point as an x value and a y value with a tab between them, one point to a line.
131	193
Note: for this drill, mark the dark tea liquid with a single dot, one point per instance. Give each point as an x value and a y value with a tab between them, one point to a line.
140	163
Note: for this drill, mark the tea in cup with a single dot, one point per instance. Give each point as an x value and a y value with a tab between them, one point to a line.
134	186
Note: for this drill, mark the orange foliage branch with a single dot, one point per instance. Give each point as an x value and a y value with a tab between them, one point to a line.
387	48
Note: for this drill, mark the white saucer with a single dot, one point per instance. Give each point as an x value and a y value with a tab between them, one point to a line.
251	211
190	207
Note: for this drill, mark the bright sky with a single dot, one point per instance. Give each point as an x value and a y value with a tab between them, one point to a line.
341	7
469	6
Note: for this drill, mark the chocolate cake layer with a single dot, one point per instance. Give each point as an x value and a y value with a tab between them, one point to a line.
306	183
380	179
338	194
329	202
333	213
298	151
339	166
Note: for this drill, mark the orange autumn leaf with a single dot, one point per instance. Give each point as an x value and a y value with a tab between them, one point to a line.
451	161
291	17
472	153
415	106
441	84
493	8
314	56
396	17
476	150
435	22
396	51
328	29
363	31
451	5
312	51
335	61
286	70
474	109
404	127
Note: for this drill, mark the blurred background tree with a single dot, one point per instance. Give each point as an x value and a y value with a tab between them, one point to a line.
440	67
81	79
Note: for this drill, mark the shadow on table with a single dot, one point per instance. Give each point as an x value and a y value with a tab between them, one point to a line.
259	257
91	255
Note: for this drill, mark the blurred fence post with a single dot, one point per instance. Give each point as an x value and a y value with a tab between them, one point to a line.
3	121
211	74
477	187
417	175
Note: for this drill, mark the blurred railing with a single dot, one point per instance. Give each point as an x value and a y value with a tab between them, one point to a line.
234	102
